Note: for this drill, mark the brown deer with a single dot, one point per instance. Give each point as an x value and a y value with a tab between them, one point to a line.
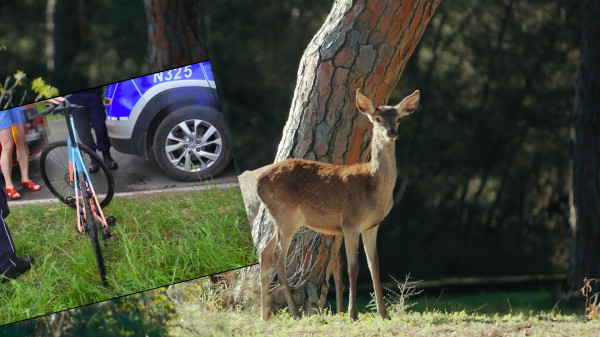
333	199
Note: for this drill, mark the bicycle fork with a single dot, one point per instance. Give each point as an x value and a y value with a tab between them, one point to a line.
96	211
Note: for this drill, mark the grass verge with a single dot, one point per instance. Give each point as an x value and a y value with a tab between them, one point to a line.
158	240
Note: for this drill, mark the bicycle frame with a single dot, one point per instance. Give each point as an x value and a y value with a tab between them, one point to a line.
76	165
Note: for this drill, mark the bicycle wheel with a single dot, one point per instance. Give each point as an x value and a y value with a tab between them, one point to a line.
54	168
93	227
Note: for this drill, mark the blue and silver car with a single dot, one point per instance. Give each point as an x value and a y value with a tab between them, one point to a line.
175	115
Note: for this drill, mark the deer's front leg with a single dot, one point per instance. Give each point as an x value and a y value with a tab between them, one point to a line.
370	243
351	244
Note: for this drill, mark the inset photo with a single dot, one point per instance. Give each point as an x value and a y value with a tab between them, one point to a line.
116	190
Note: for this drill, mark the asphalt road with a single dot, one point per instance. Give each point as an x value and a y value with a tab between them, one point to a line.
134	174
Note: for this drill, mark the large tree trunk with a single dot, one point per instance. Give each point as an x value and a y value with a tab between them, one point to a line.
362	44
584	260
174	33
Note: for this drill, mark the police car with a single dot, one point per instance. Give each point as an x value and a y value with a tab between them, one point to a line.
175	115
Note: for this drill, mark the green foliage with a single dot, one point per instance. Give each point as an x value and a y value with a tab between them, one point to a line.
43	89
486	156
9	90
17	89
19	77
143	314
110	44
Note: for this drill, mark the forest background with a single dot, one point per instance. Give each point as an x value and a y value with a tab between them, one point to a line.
483	187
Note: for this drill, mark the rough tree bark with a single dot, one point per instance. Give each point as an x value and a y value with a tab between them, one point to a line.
362	44
584	260
174	33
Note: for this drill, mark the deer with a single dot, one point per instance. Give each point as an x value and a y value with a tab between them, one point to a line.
348	200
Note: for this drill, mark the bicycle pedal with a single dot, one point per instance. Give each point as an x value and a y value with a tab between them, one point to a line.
70	201
111	221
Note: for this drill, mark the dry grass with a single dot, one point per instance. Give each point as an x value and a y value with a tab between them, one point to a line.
194	319
206	313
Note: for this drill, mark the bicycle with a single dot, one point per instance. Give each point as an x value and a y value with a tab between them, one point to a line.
63	169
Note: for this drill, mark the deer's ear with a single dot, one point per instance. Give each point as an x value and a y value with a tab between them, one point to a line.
364	103
409	104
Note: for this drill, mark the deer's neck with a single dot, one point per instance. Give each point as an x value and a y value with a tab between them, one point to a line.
383	166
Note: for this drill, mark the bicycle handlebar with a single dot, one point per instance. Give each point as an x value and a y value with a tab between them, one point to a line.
62	108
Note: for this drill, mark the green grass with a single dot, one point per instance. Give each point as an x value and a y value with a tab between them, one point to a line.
465	319
490	303
483	302
159	240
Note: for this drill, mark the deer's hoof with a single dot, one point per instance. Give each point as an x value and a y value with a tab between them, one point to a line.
296	314
266	316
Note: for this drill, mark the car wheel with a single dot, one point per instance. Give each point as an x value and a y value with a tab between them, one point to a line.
191	143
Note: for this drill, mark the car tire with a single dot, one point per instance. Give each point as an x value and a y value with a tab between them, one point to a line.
191	143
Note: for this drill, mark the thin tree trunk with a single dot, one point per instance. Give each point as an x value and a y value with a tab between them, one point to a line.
584	260
362	44
174	33
68	35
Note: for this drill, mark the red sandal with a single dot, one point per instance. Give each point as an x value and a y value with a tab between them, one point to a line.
12	193
30	185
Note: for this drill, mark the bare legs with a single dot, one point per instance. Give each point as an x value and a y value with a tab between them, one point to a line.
22	151
8	145
19	142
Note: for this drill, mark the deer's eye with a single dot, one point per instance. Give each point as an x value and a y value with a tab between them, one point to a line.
378	120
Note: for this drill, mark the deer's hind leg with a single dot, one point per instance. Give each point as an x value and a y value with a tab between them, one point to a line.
335	268
287	223
266	259
337	275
